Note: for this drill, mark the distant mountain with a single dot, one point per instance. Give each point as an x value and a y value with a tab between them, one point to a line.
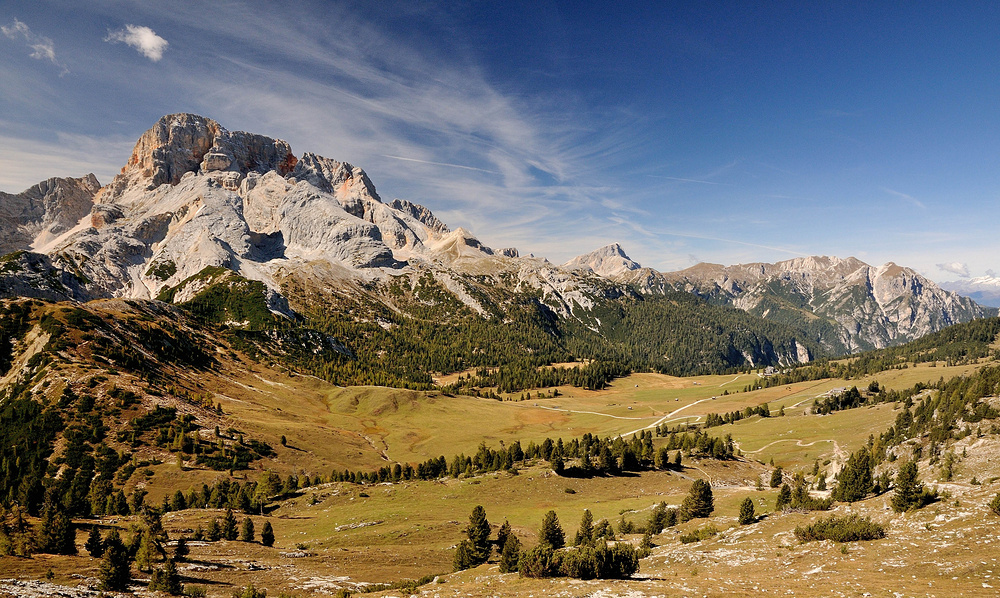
985	290
609	261
844	304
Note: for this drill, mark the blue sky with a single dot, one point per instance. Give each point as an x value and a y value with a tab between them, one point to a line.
686	131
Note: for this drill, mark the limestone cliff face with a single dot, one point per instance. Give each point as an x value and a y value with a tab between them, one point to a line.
846	304
194	195
41	213
609	261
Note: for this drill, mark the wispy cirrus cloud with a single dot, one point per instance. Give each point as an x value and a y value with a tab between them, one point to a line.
142	38
42	48
909	198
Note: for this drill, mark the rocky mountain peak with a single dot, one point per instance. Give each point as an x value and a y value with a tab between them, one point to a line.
182	143
608	261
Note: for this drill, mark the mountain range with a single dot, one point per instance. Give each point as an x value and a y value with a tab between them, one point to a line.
195	201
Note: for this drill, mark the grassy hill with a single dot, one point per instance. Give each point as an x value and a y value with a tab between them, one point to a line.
155	399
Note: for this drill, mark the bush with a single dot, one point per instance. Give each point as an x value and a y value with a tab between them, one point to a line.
995	504
540	561
852	528
699	534
250	592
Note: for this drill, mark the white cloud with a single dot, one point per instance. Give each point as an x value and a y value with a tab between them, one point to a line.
991	273
141	38
956	268
42	48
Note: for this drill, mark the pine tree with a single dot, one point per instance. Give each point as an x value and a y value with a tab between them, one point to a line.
585	534
747	515
908	488
114	572
147	551
56	534
94	544
229	526
784	498
171	579
995	504
267	534
699	501
246	530
181	550
214	533
502	535
479	535
510	555
855	481
776	476
465	556
551	534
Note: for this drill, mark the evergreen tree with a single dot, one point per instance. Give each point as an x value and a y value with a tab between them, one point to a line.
171	579
909	491
267	534
502	535
246	530
166	580
699	501
229	526
784	498
510	555
551	534
181	550
178	503
776	476
94	544
995	504
585	534
747	515
465	556
479	535
146	553
114	572
855	481
56	534
214	533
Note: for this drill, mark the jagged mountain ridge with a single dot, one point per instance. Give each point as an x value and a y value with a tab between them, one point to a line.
982	289
845	304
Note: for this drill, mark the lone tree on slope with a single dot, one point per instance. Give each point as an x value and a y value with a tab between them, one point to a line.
699	501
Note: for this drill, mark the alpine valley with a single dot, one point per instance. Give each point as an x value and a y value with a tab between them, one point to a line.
228	327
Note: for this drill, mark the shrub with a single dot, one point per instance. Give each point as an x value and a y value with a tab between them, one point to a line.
250	592
851	528
699	534
995	504
540	561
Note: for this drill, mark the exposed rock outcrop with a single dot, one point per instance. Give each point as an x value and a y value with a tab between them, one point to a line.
43	212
